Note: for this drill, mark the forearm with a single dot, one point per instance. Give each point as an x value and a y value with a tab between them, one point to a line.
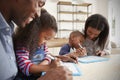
34	69
45	62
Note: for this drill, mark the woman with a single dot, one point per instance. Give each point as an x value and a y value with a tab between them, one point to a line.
96	35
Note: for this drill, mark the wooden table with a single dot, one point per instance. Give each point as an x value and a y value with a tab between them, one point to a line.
106	70
57	42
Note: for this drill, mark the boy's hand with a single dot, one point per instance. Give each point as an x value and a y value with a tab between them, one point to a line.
81	52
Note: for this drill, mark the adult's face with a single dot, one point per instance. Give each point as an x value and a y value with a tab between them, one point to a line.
26	10
92	33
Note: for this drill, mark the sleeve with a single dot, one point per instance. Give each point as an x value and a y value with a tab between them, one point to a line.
23	61
64	49
107	48
46	53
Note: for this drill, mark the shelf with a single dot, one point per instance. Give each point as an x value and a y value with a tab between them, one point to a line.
69	12
79	21
65	30
74	17
69	3
57	42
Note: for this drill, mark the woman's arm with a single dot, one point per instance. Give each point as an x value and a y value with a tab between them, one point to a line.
106	50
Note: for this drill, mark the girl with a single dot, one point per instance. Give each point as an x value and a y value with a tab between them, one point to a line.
96	35
30	47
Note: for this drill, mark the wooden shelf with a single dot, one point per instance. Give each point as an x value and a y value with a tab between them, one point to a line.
69	3
65	30
78	21
75	15
57	42
69	12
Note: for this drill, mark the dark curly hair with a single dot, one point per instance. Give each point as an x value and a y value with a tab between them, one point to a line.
29	35
100	23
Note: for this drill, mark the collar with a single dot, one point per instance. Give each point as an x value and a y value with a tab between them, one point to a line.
4	24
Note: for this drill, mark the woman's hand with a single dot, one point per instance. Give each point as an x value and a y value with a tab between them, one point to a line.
100	53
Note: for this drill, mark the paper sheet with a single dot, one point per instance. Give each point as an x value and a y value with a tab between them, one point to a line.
91	59
73	67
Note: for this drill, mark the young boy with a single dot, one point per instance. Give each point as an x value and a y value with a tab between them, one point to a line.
76	39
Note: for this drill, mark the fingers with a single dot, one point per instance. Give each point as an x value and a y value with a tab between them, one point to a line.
64	73
81	52
74	59
67	74
100	53
59	73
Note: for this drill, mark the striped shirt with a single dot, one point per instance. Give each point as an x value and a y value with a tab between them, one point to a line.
24	61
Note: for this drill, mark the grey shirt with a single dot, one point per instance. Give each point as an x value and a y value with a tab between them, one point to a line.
92	46
8	68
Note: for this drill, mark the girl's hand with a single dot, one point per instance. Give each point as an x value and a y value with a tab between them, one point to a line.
100	53
55	63
49	65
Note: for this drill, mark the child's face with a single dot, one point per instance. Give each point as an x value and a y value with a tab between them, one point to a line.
77	40
46	35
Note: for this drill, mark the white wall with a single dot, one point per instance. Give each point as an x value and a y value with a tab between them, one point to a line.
51	7
114	15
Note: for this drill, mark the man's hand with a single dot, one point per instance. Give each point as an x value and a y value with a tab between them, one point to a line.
59	73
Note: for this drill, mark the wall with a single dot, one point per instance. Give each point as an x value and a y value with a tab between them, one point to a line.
98	6
114	20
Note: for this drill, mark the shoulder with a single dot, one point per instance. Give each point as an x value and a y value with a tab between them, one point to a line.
66	46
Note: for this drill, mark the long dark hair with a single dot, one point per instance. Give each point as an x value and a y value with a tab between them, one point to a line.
100	23
29	35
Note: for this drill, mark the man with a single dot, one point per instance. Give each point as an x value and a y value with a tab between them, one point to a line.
20	12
